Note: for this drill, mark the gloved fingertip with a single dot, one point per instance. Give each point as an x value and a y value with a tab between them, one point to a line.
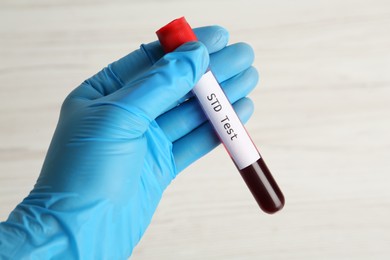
214	37
246	50
244	108
221	36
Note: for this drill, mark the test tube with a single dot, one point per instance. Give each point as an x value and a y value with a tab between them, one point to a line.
227	125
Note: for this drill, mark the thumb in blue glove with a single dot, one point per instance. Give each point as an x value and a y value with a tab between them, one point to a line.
122	137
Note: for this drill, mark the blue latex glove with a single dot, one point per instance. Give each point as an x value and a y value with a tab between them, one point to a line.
122	137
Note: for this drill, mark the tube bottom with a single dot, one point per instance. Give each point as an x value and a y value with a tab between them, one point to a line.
264	189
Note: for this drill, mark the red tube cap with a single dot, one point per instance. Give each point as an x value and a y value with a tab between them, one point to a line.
175	34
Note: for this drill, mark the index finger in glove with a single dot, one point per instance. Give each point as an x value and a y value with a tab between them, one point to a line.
168	80
136	63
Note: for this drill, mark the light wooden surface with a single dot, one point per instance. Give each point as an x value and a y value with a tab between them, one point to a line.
321	120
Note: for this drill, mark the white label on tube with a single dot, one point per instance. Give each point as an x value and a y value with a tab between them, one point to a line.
225	121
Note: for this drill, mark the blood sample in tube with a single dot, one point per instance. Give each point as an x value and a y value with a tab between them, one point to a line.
227	125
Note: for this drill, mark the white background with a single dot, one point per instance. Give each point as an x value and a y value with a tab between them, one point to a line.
321	120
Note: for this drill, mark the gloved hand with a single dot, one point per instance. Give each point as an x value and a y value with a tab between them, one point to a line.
122	137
